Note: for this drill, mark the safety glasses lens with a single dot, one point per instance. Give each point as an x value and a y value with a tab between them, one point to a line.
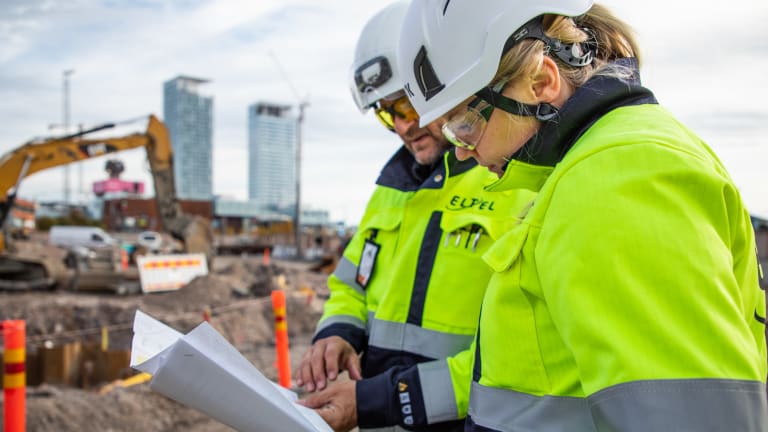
453	139
385	117
400	107
405	110
465	130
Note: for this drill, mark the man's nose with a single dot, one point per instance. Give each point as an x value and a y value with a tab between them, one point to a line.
403	126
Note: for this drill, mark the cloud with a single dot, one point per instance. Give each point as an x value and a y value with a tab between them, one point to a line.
698	60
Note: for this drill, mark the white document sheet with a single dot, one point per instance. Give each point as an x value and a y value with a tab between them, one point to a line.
205	372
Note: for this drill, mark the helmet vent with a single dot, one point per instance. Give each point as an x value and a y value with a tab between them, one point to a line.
426	78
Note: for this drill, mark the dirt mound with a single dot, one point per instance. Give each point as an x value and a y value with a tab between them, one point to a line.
236	299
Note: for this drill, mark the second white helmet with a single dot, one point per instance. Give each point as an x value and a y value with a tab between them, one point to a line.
374	73
450	49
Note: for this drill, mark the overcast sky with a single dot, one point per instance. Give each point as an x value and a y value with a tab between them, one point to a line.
707	64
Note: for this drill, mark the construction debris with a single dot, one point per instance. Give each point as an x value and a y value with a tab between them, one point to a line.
234	298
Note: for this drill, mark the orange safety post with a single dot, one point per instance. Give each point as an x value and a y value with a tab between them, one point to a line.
281	339
123	259
265	257
14	376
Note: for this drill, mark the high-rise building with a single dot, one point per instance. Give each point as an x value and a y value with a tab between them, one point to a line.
272	146
189	117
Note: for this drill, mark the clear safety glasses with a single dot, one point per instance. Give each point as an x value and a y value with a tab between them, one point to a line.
465	130
400	107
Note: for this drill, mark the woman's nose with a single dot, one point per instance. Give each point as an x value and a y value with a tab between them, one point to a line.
463	154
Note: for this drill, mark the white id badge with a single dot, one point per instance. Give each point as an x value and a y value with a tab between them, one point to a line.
367	262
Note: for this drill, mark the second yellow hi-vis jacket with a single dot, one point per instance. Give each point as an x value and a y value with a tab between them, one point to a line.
408	289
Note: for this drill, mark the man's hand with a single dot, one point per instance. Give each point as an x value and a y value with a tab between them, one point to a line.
336	405
324	360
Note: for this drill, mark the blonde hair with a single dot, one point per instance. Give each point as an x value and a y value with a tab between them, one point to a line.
613	39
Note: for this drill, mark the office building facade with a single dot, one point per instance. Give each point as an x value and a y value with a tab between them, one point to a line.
272	147
189	117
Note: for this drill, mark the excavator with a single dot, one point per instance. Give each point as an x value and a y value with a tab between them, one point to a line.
30	271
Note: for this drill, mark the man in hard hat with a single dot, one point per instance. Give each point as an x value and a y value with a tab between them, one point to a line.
406	294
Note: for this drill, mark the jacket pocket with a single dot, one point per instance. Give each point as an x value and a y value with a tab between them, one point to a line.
510	345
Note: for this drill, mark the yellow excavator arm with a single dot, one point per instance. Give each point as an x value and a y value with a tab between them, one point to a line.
36	156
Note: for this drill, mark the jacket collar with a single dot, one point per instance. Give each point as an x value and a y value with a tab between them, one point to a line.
594	99
403	173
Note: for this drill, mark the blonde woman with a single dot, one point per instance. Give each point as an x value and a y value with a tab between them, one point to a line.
627	299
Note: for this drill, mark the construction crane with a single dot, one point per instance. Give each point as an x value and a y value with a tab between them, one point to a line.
303	103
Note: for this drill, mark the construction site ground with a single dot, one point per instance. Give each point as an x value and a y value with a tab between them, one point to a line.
236	295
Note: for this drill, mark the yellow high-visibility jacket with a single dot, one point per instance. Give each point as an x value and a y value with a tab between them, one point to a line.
628	298
419	305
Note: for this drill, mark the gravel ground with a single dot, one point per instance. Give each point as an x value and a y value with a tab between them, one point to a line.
236	294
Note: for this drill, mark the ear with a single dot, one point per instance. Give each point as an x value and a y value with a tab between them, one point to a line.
546	84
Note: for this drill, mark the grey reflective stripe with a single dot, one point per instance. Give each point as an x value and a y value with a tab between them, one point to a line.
416	340
677	405
507	411
340	319
437	390
346	272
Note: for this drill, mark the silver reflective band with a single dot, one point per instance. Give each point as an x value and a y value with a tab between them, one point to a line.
340	319
416	340
656	405
682	405
437	390
508	411
347	273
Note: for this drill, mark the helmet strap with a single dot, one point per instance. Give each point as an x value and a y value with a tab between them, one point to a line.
576	55
542	111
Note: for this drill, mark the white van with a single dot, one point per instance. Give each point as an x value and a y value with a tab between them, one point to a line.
80	236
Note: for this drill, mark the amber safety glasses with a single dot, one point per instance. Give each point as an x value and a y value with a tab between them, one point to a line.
400	107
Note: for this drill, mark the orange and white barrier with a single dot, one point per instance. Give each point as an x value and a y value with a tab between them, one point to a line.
170	272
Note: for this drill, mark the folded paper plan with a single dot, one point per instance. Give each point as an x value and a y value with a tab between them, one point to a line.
205	372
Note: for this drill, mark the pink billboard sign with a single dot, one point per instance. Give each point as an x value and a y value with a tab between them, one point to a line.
117	185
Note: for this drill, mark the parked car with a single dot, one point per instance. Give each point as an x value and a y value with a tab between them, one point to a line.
150	240
80	236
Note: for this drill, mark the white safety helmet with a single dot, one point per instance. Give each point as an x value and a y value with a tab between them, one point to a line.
450	49
374	74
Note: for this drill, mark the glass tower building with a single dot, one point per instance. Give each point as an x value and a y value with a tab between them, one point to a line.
272	146
189	117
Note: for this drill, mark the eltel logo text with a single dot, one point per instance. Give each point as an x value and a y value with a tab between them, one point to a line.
463	203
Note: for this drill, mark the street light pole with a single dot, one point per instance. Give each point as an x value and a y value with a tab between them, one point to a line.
65	123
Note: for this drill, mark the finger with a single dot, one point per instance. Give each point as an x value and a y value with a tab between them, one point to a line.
314	401
299	372
304	372
353	367
317	363
332	361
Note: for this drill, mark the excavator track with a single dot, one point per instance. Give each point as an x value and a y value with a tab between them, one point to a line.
23	275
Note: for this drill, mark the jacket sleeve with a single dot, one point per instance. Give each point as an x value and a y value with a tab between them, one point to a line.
424	394
345	313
